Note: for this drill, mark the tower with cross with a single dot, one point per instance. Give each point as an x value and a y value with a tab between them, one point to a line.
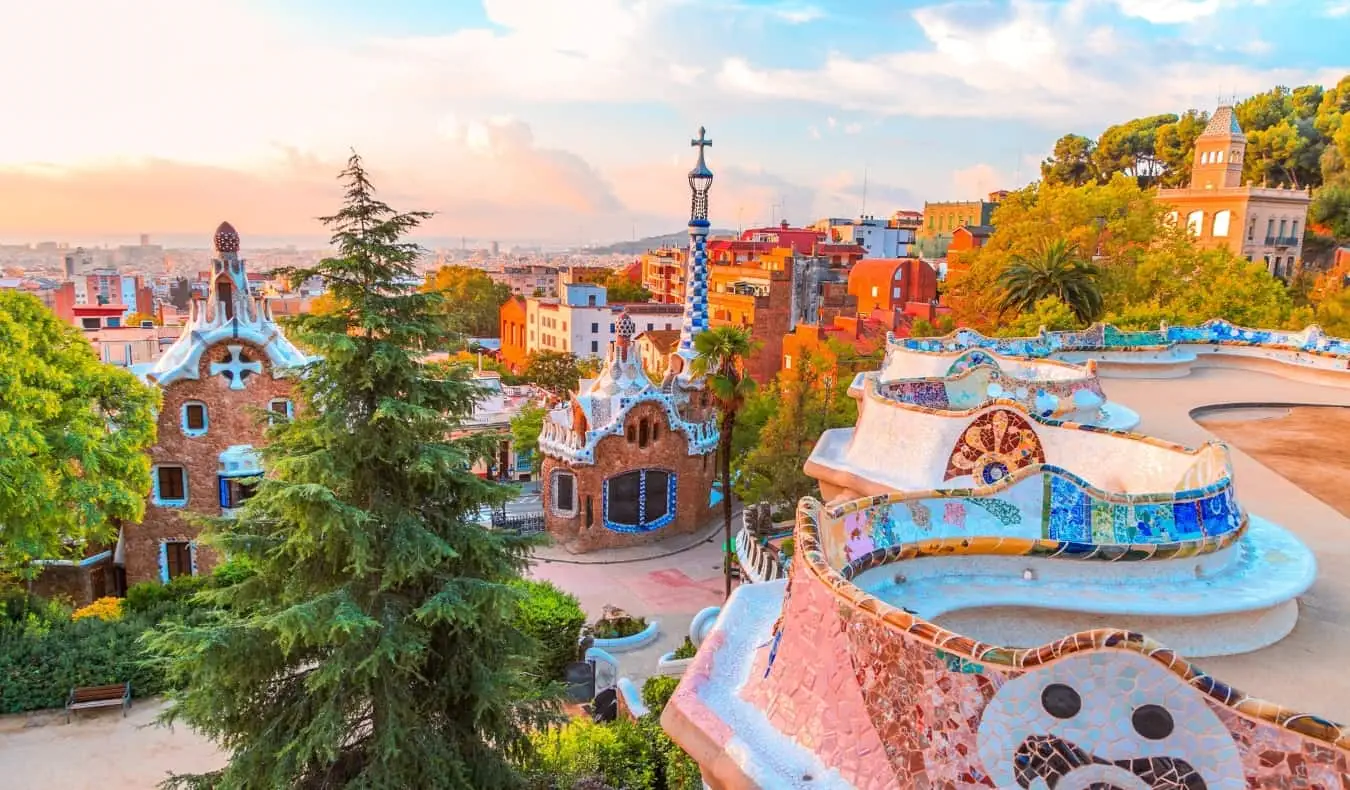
696	280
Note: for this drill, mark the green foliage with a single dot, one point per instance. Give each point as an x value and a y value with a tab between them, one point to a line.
1071	162
151	596
720	358
525	429
687	649
554	619
633	755
65	473
618	627
38	667
619	288
923	328
472	300
376	644
1054	269
658	689
1049	313
557	372
788	546
1331	208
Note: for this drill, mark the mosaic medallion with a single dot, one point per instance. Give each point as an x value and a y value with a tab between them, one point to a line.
994	446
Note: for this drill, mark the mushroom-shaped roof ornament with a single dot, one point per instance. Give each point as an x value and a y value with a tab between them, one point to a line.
227	238
625	328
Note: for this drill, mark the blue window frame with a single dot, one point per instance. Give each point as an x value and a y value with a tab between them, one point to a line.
195	419
642	500
170	486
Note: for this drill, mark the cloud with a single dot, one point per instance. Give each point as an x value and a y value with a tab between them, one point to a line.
1168	12
853	128
977	181
1337	9
1041	61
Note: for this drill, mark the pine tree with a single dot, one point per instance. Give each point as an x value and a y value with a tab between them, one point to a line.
373	647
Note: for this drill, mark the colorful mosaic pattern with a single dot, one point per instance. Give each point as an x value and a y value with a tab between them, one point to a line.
643	524
996	444
696	290
971	359
1104	337
978	385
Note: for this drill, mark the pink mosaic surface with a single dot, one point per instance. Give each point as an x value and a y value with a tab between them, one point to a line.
889	710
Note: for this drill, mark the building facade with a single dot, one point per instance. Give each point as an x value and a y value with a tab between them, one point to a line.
663	275
965	240
886	285
582	321
1262	224
513	323
941	219
230	364
628	461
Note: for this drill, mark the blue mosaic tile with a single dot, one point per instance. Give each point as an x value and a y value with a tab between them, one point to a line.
1154	522
1186	515
1070	512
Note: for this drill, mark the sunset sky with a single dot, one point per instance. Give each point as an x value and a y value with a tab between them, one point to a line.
553	121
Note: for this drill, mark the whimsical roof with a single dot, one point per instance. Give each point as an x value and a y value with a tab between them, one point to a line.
228	314
1223	124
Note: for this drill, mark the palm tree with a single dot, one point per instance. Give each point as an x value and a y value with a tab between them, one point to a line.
721	354
1054	269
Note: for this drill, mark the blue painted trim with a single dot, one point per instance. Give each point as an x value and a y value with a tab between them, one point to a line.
703	623
154	492
206	419
163	562
637	641
632	698
672	483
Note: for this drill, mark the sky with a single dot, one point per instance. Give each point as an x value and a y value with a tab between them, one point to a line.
569	121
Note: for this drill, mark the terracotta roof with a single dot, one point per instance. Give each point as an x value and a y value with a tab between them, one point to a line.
665	340
1223	124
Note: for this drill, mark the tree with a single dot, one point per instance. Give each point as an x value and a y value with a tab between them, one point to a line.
1174	146
375	646
619	288
472	299
1071	162
73	438
1130	148
136	319
555	371
525	429
1331	208
1049	313
721	355
1053	270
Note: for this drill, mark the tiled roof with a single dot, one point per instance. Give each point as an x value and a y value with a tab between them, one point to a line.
1223	124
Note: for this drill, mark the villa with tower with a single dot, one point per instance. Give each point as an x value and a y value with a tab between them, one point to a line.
228	368
628	460
1261	223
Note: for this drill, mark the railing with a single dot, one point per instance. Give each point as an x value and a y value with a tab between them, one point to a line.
521	524
1282	241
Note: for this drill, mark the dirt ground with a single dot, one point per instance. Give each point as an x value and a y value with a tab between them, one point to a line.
1307	445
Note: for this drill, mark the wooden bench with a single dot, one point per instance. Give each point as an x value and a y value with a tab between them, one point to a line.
99	697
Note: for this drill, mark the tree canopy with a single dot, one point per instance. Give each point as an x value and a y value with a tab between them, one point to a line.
557	371
473	301
376	645
619	288
73	437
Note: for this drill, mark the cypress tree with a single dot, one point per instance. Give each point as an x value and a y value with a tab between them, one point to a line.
373	646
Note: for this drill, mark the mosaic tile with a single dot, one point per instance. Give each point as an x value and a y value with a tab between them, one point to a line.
1070	512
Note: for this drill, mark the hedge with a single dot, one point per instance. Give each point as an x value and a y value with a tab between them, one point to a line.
554	618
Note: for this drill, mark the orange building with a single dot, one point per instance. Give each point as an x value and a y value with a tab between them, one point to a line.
888	284
1262	224
663	274
964	240
864	338
512	325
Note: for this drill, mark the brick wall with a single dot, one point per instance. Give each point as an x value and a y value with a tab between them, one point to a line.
615	455
231	420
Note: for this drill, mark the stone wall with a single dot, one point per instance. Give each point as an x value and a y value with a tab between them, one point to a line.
615	455
231	420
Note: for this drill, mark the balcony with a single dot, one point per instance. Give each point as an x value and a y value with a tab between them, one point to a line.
1283	241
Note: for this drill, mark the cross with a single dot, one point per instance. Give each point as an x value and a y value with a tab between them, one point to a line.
237	368
701	142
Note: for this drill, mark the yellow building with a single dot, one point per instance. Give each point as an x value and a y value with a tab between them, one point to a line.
1262	223
940	220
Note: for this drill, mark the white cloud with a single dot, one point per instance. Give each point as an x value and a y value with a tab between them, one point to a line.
1168	12
1043	62
797	15
977	181
1337	9
813	132
853	128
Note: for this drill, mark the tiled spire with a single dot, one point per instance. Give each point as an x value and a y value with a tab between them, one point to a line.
696	280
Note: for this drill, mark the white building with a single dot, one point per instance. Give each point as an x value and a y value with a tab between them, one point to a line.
581	321
881	238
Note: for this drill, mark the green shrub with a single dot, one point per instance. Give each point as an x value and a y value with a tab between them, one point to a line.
620	754
656	692
152	596
554	618
231	572
687	649
787	547
37	670
616	629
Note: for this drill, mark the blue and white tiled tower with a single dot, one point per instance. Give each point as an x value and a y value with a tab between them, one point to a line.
696	279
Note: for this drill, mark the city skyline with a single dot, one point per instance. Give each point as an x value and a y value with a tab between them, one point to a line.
531	121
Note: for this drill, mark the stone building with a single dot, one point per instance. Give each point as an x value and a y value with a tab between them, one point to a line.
627	461
1261	223
227	369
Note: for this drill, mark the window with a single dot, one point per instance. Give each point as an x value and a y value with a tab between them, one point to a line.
630	433
595	346
170	486
1251	229
1221	220
611	329
194	418
1293	229
787	362
279	407
235	491
1195	221
563	488
226	298
1218	157
176	558
595	328
668	325
874	291
1270	228
656	430
895	293
590	512
89	323
1283	224
639	501
643	433
650	327
590	300
114	323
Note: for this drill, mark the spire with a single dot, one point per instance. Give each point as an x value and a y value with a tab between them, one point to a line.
1224	124
228	293
696	281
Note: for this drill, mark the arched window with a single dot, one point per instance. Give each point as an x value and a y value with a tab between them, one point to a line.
644	434
639	501
563	493
1221	221
194	418
1195	221
656	430
630	432
1218	157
